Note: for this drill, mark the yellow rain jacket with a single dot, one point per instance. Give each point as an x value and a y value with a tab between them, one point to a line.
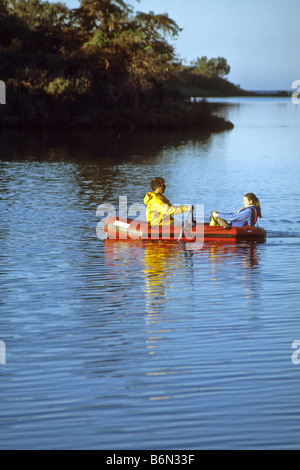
160	210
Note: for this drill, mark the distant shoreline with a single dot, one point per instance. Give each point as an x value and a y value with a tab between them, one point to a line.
194	85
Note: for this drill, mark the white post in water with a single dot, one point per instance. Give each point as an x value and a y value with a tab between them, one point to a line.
2	92
2	353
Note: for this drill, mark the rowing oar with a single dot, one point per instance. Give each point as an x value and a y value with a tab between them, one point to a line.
184	225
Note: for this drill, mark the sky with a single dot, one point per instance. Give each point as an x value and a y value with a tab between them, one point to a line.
259	38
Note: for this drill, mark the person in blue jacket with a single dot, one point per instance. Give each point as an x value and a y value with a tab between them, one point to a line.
248	215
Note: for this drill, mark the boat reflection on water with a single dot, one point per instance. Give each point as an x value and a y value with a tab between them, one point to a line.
234	274
218	250
163	262
168	269
162	288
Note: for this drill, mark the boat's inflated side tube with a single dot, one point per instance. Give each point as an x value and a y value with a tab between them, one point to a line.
122	229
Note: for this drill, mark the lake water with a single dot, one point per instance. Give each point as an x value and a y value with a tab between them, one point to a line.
115	345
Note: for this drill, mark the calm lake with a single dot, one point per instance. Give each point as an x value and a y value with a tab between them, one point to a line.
146	345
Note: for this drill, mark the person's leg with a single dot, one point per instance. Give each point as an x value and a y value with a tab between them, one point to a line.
218	222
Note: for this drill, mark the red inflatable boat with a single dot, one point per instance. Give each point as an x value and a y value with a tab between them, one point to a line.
122	229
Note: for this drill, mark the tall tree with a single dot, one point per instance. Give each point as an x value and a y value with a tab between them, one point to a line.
155	27
102	16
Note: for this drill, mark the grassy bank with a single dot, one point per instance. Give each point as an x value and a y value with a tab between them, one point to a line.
190	83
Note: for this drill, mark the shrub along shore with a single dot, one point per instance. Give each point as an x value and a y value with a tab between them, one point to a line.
97	66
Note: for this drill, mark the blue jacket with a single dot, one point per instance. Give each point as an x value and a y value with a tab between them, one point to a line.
242	218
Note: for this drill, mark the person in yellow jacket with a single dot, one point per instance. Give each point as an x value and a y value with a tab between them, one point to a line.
159	209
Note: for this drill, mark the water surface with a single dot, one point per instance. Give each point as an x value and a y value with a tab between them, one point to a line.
146	345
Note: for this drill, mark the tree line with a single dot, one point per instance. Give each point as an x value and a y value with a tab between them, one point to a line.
100	64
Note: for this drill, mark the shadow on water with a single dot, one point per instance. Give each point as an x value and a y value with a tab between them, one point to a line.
101	166
108	146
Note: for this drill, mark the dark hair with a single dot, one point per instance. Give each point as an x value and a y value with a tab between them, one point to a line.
255	201
156	183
